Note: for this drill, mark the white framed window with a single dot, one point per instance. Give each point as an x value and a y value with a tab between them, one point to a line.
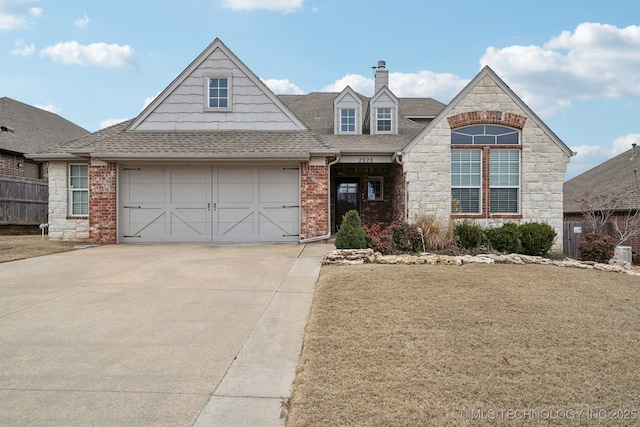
483	162
375	188
347	120
466	181
78	190
383	119
218	93
504	181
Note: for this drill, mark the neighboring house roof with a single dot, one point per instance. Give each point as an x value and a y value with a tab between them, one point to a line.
34	129
617	178
488	72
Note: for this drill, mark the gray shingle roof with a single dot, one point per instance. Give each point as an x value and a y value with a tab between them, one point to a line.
116	143
613	178
35	130
315	110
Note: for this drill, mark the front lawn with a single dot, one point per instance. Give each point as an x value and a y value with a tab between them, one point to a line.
470	345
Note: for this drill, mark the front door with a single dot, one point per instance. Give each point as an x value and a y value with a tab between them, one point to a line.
347	197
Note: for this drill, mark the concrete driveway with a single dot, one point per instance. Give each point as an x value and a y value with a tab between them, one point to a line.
174	335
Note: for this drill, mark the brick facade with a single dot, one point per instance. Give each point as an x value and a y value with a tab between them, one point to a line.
16	165
486	117
380	212
314	198
102	202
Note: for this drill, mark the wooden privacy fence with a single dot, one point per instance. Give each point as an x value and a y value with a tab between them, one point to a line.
23	201
573	231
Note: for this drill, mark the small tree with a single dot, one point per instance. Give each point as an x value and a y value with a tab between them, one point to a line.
597	209
351	234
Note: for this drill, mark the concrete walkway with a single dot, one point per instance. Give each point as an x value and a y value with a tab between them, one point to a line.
174	335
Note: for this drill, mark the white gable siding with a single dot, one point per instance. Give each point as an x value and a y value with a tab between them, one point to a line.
543	165
184	108
347	100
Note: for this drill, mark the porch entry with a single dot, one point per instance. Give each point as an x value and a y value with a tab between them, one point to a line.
347	197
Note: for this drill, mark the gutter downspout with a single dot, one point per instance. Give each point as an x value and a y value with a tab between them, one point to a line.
326	236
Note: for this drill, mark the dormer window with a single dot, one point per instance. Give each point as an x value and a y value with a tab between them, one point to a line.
218	93
383	119
347	120
383	114
347	113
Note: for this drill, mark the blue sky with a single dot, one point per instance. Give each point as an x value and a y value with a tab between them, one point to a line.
575	63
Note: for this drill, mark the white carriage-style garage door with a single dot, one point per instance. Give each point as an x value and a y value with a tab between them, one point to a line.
209	204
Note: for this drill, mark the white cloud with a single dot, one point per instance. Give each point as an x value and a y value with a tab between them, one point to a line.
283	87
595	61
81	22
442	87
50	108
110	122
98	54
589	156
14	14
284	6
23	49
149	100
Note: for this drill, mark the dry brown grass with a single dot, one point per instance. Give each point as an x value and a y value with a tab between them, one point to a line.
20	247
420	345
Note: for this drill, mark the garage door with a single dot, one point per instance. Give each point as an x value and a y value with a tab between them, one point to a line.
207	203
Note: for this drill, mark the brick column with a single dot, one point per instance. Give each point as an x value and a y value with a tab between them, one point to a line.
314	198
102	202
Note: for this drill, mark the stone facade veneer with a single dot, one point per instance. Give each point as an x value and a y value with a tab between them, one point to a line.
62	227
543	164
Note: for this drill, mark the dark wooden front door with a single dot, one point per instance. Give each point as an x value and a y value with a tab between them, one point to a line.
347	197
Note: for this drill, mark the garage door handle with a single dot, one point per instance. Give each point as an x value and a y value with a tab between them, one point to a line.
132	207
284	207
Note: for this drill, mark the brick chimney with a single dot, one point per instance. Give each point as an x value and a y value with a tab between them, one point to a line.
382	76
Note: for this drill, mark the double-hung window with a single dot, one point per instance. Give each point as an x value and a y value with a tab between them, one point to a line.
218	91
78	190
485	170
466	180
347	120
383	119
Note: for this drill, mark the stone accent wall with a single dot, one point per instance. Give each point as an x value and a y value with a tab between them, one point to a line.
102	202
543	164
314	198
62	227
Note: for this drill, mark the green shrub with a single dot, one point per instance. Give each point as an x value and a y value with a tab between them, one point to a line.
468	234
506	238
596	247
536	238
351	234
